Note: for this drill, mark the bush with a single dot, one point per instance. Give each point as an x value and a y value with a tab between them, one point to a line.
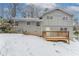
76	33
9	31
25	32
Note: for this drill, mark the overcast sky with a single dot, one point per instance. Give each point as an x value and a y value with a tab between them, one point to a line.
73	8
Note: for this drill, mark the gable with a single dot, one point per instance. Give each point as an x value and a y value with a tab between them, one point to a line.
57	12
57	18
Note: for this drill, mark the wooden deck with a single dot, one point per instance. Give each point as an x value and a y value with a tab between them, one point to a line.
53	35
56	36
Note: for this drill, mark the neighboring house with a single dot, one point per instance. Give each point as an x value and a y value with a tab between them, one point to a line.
56	23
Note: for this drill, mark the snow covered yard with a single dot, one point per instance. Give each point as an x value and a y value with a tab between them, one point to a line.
28	45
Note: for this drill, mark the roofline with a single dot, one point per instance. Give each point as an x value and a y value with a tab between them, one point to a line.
57	9
27	19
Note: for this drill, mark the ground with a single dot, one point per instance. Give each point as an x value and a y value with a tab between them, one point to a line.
28	45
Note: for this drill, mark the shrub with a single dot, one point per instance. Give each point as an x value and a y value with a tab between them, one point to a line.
76	33
25	32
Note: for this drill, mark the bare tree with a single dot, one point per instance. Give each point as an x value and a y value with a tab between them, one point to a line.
34	10
30	11
2	10
23	13
12	11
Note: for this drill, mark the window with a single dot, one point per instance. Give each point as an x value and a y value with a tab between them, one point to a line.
38	24
49	17
40	18
61	29
16	23
28	23
65	18
65	29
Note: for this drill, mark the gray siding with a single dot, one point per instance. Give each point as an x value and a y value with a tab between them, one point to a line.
57	19
54	23
58	22
32	28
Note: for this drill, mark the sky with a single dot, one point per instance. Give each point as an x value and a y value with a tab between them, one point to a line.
73	8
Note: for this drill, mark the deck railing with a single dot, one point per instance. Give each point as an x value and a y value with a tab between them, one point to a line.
56	33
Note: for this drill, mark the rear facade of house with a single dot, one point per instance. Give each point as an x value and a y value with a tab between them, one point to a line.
56	23
59	23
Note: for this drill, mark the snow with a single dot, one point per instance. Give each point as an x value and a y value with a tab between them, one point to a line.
28	45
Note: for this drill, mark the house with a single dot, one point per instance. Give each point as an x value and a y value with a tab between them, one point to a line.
59	22
29	25
53	25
